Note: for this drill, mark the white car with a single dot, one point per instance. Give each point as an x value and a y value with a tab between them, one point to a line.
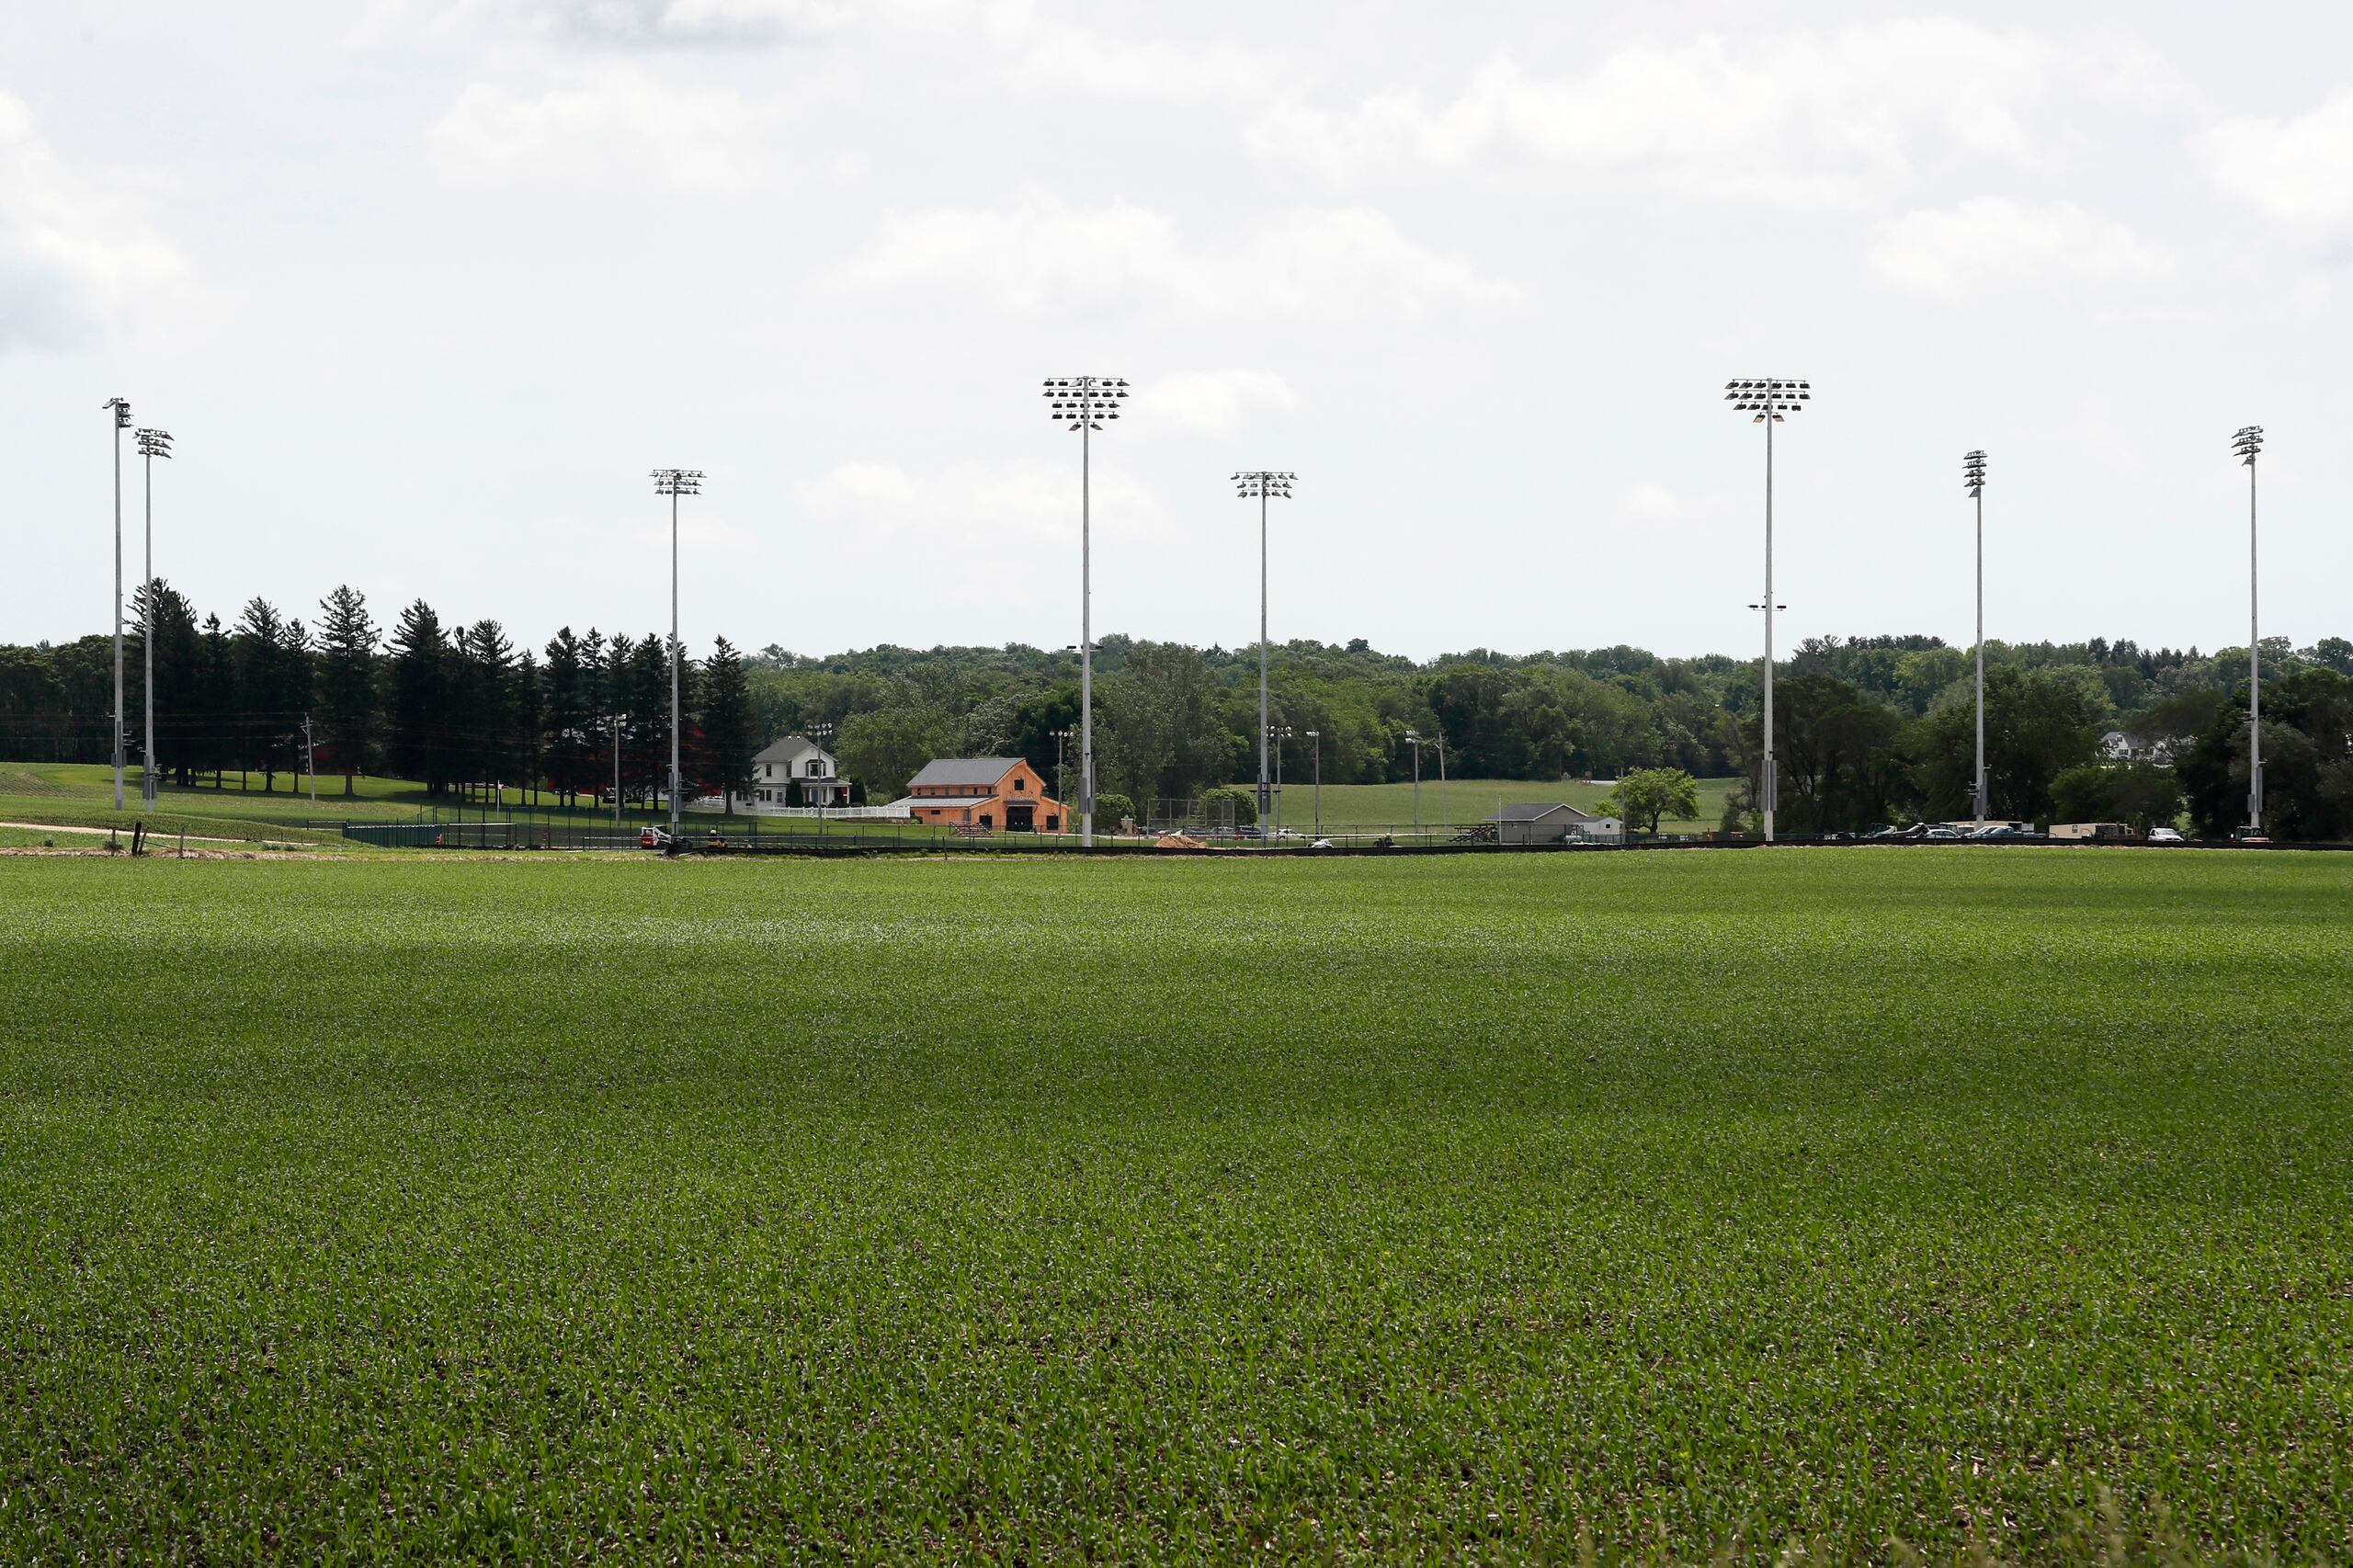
2166	835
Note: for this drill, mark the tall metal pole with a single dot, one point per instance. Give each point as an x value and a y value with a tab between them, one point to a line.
1266	801
1972	474
1317	736
617	770
147	639
674	664
2253	668
1263	484
1980	791
1445	816
1086	635
2247	443
1081	401
674	482
1772	782
1768	400
121	418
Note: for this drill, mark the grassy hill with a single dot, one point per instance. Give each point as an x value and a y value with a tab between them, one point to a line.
1466	800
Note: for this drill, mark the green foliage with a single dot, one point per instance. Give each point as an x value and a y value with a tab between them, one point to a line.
1645	795
2307	760
1111	809
1243	801
1443	1210
2143	794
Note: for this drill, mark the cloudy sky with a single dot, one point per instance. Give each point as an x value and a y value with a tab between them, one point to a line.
425	288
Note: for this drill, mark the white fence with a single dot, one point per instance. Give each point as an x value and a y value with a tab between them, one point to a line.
714	805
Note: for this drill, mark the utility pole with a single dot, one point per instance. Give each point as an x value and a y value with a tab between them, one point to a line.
1768	400
674	482
617	770
2247	443
1416	736
122	408
309	761
1317	736
153	444
1972	474
1444	817
1079	403
1258	484
1062	776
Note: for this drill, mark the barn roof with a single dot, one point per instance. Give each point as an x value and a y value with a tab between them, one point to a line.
981	772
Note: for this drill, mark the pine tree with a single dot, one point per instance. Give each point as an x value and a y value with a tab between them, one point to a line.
725	749
488	701
216	702
418	699
347	683
565	718
645	717
297	659
260	652
530	706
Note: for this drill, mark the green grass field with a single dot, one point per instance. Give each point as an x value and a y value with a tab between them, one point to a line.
1174	1210
1467	801
82	794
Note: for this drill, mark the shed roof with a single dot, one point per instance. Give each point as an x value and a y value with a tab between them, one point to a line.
1536	811
982	771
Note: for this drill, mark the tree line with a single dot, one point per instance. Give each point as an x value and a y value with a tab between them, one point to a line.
1869	730
459	708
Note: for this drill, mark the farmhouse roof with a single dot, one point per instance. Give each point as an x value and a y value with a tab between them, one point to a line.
1536	811
933	802
790	749
970	771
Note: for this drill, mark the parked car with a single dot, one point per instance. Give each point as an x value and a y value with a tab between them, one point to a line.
1953	833
2166	835
2008	833
2249	835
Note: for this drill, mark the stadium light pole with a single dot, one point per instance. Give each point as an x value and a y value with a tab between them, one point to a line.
2247	443
674	482
1972	475
122	408
1768	400
1079	403
1261	484
153	444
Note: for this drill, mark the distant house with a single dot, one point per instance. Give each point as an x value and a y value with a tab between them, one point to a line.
989	794
2118	746
1557	823
795	771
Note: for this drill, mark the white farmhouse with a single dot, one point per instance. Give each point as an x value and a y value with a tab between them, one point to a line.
794	772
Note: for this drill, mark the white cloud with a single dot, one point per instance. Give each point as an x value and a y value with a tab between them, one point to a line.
975	533
2298	171
1802	119
691	22
1333	262
76	256
1990	244
1212	403
613	124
